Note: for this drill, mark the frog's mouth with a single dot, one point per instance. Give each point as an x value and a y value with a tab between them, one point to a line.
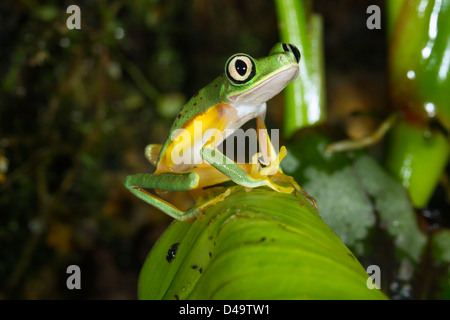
268	88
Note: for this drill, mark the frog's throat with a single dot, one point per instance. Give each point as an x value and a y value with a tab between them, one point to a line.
268	88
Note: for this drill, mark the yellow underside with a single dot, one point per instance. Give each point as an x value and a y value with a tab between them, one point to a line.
214	121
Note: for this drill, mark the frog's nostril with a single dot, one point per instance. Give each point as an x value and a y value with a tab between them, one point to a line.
293	49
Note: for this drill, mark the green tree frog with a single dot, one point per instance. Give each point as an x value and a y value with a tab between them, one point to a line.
232	99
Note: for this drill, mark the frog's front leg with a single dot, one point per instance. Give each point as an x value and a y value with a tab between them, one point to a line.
169	181
226	166
265	145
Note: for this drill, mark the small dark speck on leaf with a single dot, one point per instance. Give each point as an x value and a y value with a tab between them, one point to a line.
200	270
176	297
194	267
172	252
210	255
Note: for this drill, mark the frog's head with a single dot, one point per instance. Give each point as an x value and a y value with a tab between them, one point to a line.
254	81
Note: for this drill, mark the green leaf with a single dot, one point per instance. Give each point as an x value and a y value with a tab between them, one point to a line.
259	244
419	84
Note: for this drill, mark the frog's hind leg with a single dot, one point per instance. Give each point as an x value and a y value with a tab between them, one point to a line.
137	183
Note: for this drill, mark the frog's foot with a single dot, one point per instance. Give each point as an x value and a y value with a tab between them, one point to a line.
281	177
271	180
274	182
277	175
138	183
274	167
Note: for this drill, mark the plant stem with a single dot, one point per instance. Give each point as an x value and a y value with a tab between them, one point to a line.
305	97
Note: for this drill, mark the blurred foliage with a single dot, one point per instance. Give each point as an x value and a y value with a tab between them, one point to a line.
419	84
368	208
246	248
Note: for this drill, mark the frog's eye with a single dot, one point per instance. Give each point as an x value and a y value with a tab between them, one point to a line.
240	69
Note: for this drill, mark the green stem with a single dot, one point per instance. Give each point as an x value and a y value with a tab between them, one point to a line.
257	244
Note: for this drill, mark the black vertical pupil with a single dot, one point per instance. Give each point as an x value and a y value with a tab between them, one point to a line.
241	67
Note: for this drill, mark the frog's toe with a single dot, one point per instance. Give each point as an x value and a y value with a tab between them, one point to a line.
279	188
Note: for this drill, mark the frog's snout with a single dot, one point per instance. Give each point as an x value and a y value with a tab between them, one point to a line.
287	47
